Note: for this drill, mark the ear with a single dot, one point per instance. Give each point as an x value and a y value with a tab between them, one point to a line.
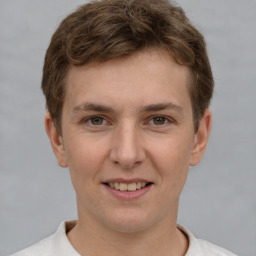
56	141
201	138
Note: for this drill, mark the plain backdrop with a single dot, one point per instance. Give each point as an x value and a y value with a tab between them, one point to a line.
218	202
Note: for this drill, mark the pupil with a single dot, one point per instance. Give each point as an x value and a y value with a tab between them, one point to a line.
159	120
97	120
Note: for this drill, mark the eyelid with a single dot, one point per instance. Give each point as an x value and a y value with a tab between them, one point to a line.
88	118
167	118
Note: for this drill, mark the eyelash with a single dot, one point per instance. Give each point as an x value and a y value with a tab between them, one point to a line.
89	119
167	120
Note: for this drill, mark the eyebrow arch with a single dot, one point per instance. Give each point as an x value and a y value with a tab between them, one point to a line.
107	109
92	107
161	106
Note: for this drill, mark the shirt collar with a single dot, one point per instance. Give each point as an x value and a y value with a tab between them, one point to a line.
62	246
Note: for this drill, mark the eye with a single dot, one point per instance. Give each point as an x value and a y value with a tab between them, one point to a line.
95	120
159	120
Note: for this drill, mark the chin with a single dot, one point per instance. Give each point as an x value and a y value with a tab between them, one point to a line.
131	227
129	222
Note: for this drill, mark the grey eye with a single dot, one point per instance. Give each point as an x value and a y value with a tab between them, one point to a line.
96	120
159	120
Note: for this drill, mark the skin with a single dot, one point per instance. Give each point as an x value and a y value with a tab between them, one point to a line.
143	130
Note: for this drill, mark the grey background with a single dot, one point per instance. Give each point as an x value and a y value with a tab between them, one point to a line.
218	203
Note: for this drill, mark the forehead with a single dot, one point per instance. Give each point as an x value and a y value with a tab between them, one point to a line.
148	76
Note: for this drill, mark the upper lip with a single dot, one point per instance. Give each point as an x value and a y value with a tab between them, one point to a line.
121	180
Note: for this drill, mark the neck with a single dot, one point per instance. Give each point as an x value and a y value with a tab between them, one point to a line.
89	238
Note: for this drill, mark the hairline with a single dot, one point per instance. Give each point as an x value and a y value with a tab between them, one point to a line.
190	79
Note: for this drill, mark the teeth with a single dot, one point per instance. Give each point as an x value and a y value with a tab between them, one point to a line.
138	185
123	186
131	187
116	185
127	187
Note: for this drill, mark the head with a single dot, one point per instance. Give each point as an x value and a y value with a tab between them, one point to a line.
108	29
127	84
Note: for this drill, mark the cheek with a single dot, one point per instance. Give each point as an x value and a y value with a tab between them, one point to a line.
172	161
85	160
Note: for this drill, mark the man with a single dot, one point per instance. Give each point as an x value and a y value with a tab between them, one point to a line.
127	85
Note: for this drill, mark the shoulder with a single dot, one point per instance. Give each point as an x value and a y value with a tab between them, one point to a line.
199	247
54	245
42	248
212	249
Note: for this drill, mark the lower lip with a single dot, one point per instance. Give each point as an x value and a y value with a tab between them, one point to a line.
128	195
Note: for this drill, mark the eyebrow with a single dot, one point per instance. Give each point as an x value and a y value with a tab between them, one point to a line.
161	106
92	107
107	109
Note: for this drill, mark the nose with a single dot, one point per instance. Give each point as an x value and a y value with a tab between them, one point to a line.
127	149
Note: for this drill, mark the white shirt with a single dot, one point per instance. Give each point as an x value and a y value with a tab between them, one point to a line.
59	245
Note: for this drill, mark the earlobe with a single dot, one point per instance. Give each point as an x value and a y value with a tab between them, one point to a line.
201	138
56	141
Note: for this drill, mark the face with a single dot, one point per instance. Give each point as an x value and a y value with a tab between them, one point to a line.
128	139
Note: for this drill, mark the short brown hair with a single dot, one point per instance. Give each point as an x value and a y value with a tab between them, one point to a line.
106	29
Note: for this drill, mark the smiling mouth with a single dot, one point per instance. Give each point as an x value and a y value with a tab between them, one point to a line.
128	186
